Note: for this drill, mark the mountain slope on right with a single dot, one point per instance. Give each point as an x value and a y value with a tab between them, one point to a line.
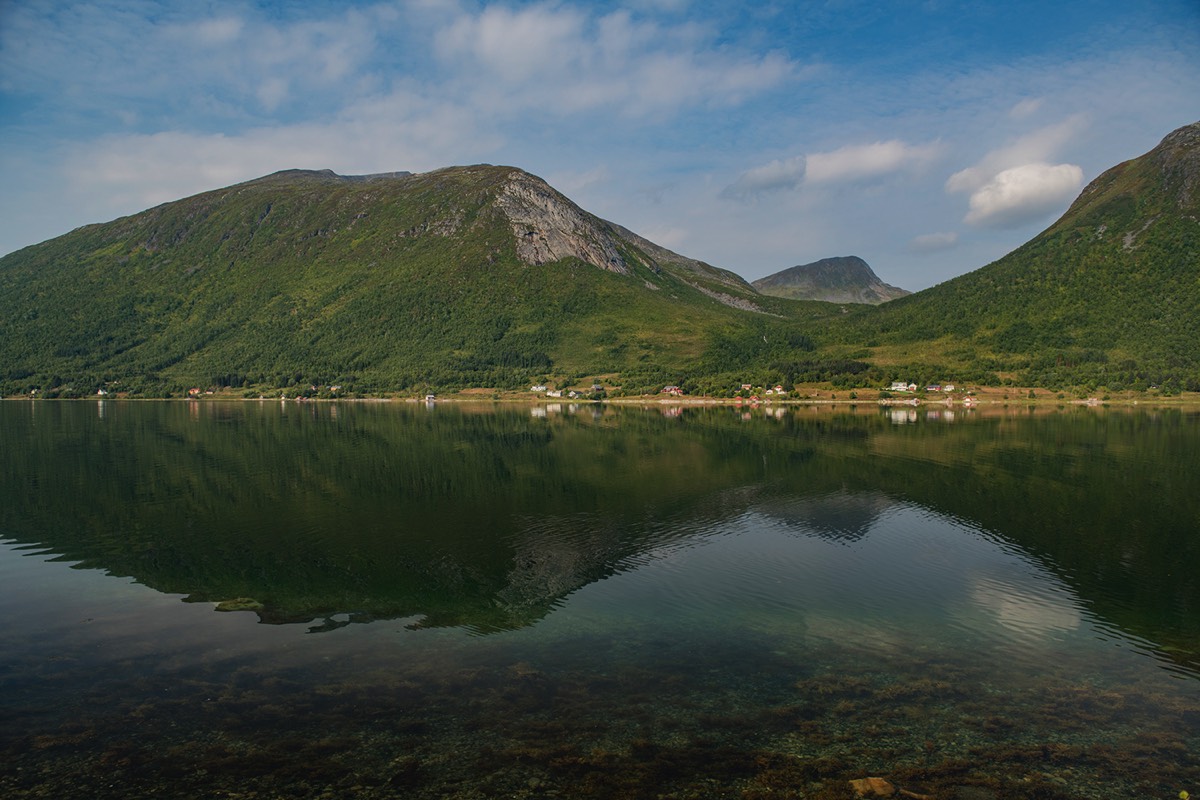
1109	295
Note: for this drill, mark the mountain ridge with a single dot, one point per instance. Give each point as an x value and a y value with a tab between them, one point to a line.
486	276
454	278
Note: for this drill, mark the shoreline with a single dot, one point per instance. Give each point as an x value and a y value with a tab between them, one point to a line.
986	397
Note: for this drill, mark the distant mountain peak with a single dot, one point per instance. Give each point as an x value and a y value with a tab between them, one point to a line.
839	279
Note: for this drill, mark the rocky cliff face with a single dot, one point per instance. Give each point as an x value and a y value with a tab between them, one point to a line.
549	227
1178	158
843	279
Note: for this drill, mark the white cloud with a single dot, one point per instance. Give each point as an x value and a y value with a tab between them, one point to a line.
671	238
272	92
214	95
173	59
859	162
561	61
513	45
777	175
1026	108
1018	183
933	242
1023	194
847	164
215	32
124	174
1038	146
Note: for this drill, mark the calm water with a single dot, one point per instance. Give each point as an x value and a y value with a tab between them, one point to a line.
585	602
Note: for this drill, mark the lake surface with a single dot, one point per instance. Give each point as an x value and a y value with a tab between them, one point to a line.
253	600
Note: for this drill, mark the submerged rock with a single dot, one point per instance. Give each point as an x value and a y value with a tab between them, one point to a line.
872	787
240	604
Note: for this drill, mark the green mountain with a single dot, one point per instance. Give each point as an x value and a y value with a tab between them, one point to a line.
842	279
485	276
476	276
1109	295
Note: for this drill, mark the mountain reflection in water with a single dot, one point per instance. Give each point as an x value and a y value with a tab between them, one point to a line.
664	581
487	518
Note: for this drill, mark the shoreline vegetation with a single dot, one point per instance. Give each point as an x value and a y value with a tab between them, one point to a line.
811	395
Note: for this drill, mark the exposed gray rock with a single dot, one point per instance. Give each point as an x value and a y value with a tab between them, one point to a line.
549	227
727	299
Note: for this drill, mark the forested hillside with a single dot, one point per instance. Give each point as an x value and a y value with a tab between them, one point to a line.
1107	296
464	277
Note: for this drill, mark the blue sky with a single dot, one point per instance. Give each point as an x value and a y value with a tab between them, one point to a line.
929	138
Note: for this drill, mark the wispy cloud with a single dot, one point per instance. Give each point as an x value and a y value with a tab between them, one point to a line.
229	94
848	164
399	131
867	161
775	176
571	182
562	60
179	61
514	44
1026	108
933	242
